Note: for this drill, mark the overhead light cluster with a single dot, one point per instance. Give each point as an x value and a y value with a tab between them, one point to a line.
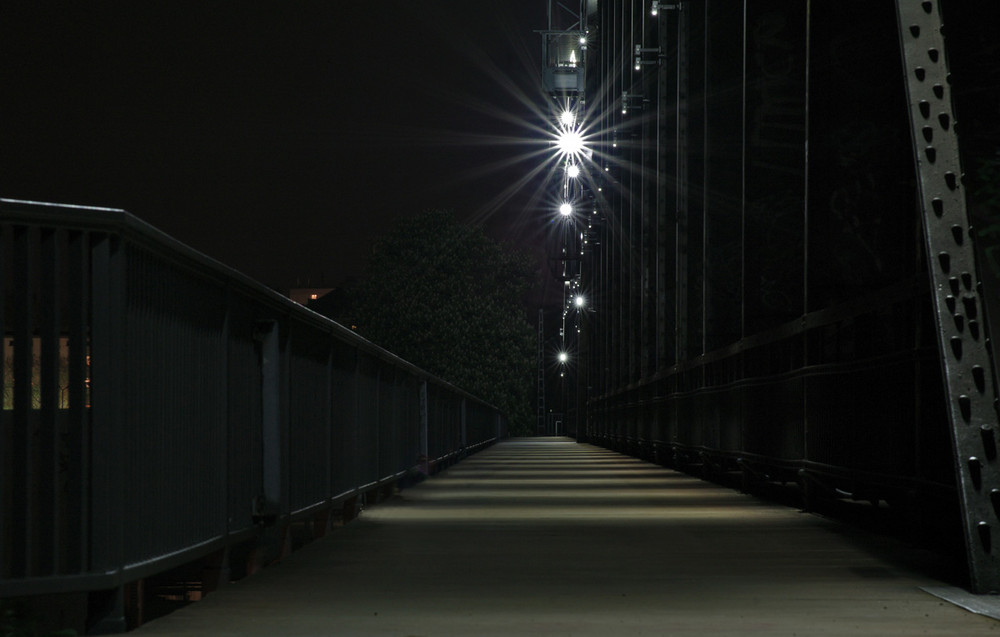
570	142
572	153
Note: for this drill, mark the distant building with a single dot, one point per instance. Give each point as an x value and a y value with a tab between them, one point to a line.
332	303
303	296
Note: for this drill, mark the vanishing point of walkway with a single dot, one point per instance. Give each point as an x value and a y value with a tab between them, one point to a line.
549	537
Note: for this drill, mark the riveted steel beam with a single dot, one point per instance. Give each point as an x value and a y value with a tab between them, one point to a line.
958	296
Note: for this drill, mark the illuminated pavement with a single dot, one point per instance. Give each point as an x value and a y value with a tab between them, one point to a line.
551	537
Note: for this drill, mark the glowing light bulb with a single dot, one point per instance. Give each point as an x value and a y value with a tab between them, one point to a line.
570	142
572	171
566	209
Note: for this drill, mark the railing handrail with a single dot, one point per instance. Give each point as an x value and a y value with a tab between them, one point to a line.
128	226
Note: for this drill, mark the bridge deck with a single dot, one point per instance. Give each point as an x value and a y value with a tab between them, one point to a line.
550	537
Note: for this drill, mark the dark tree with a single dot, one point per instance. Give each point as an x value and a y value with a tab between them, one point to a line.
452	301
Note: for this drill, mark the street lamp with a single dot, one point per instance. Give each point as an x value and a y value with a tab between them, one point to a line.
569	142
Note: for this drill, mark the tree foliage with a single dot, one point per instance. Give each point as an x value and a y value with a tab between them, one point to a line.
450	300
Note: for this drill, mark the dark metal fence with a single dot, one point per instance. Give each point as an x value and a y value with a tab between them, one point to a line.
159	407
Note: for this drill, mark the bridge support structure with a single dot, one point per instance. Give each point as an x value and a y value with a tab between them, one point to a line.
959	306
777	294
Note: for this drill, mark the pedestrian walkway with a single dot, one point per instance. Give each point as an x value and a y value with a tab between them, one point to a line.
550	537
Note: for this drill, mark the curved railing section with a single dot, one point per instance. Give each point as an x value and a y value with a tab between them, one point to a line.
159	407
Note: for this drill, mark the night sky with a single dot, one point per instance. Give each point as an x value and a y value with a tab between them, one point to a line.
279	138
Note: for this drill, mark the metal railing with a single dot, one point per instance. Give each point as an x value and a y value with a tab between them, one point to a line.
159	406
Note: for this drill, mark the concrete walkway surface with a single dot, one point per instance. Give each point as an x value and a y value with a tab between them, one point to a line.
550	537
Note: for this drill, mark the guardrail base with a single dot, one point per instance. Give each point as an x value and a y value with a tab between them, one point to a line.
106	614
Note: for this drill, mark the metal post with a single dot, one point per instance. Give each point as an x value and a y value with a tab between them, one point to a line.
78	439
269	503
540	427
464	437
7	546
22	443
47	532
328	427
424	434
957	293
107	433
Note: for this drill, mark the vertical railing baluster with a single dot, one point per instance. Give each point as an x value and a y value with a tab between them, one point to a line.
376	422
78	427
107	521
7	510
22	483
424	429
328	421
270	500
47	533
462	425
355	424
225	380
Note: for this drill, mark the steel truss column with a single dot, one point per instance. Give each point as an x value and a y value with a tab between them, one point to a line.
647	246
958	302
664	341
681	201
